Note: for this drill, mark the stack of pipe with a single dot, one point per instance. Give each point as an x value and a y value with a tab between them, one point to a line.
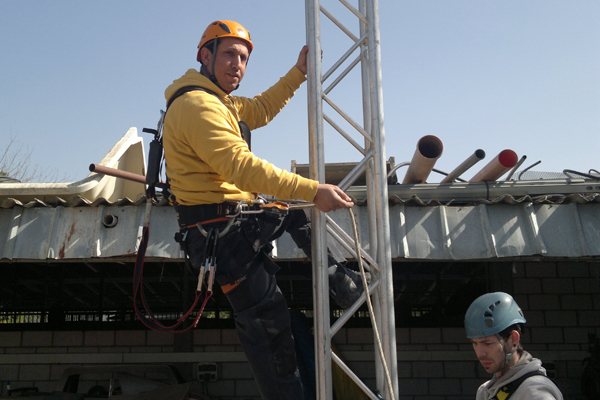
430	149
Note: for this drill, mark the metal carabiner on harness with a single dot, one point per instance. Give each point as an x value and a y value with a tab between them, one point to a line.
209	260
213	261
249	207
241	208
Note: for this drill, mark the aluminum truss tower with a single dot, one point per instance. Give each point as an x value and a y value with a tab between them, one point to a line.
373	165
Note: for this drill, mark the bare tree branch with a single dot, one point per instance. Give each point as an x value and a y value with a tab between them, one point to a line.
15	162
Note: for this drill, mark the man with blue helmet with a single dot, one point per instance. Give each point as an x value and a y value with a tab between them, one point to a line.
493	324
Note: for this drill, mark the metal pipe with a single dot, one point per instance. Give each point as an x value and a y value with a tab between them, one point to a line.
356	172
464	166
349	312
384	308
344	134
322	340
353	376
338	24
346	71
516	167
429	149
110	220
348	119
117	173
341	60
396	167
528	168
333	227
503	162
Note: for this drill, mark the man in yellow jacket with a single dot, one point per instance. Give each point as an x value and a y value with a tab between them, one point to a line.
210	169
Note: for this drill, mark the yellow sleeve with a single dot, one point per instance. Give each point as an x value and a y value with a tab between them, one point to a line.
212	132
261	109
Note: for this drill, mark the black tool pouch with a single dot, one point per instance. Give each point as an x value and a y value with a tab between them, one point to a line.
179	238
246	133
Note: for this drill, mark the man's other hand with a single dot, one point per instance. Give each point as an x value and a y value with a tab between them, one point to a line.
331	197
301	63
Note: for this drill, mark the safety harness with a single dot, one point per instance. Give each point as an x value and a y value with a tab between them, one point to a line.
511	387
155	163
209	264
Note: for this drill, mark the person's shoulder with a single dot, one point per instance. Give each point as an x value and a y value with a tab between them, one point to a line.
482	391
205	99
538	387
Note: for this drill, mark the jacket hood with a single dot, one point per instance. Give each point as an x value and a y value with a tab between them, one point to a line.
192	78
525	365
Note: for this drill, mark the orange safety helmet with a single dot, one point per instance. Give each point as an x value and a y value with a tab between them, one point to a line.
224	29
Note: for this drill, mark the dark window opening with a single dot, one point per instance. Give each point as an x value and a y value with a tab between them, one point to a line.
99	295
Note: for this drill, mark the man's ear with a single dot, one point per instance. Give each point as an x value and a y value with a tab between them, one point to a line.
205	56
515	336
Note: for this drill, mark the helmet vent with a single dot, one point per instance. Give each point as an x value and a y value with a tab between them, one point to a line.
488	314
224	27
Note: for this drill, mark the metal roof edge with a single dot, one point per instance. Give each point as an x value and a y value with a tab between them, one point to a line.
486	191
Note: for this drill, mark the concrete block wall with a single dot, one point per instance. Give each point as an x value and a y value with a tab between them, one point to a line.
561	301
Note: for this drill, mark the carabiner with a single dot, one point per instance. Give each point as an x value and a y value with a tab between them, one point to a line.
213	262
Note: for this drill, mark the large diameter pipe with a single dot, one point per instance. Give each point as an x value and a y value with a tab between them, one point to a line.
502	163
464	166
429	149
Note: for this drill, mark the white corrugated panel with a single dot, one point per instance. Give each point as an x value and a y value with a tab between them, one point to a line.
589	215
511	231
78	233
417	233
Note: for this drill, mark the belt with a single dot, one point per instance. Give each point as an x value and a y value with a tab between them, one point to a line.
189	216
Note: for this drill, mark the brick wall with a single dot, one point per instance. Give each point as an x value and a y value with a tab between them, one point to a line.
561	302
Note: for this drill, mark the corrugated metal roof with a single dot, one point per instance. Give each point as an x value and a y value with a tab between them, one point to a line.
63	233
436	232
450	221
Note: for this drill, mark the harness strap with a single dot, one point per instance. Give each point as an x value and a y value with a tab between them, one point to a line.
189	216
186	89
156	156
511	387
210	221
230	286
150	319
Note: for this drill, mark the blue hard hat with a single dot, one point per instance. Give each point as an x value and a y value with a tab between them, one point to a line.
492	313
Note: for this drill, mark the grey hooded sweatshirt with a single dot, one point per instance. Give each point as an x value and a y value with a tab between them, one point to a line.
533	388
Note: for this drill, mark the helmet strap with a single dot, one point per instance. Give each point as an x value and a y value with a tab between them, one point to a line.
508	355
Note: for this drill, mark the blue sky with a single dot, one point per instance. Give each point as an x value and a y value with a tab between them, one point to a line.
495	75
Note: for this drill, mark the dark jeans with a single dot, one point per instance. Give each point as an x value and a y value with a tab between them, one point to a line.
260	310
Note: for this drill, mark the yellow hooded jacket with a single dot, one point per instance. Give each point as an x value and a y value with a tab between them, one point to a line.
207	160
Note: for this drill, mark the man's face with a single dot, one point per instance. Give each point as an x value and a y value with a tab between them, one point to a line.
490	354
230	63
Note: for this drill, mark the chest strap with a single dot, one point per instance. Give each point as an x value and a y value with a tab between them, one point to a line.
508	389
